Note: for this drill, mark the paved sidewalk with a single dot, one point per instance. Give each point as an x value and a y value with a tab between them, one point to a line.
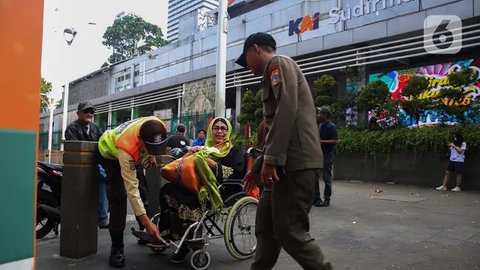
368	226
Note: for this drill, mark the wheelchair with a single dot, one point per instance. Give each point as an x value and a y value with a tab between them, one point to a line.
238	230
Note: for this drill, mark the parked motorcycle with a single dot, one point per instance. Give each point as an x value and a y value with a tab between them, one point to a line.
49	187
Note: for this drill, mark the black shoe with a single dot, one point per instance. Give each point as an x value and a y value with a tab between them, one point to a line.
325	203
180	256
142	242
117	257
318	203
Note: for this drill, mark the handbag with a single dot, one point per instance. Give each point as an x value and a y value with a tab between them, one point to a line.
182	172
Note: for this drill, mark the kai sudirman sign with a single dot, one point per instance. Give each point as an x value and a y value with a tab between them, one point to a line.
336	14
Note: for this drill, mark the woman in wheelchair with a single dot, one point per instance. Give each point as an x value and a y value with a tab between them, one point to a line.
181	207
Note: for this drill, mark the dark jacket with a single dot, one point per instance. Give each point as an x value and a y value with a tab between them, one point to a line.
232	166
292	141
177	141
77	131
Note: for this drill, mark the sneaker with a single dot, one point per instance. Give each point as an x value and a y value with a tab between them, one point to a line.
326	203
117	257
456	189
179	257
105	225
442	188
318	203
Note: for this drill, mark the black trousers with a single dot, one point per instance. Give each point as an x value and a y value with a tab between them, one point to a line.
117	198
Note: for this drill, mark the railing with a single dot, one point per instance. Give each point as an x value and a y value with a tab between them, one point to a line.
193	123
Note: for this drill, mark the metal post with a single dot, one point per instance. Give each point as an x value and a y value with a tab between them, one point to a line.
132	104
109	116
50	131
238	105
179	111
221	59
65	112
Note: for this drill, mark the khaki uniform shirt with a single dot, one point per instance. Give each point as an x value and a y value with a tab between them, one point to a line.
129	175
292	141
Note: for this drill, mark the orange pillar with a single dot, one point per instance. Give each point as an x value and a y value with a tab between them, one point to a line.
20	56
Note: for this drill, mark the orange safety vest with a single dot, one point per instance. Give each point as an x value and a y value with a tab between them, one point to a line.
126	137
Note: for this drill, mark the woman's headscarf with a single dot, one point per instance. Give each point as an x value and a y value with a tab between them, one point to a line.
210	141
210	188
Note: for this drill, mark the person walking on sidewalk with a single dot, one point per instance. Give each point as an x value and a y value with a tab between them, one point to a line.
456	162
290	158
84	129
328	140
134	142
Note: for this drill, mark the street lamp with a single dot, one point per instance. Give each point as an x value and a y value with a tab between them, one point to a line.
65	112
221	58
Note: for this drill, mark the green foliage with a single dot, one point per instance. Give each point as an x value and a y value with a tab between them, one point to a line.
419	140
59	104
463	77
375	97
130	36
341	105
453	101
238	139
414	106
45	89
321	101
325	90
350	72
252	109
325	83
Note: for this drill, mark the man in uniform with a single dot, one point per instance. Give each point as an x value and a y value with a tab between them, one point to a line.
131	143
292	158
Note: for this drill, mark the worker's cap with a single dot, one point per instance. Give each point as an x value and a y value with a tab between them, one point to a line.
261	39
154	135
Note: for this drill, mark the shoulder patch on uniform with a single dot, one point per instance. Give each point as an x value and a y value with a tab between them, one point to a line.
275	79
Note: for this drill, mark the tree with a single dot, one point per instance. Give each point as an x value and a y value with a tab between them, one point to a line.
456	100
413	105
130	36
59	104
375	97
252	109
325	88
45	89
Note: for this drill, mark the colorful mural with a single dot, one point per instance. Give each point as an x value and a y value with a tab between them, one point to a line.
437	75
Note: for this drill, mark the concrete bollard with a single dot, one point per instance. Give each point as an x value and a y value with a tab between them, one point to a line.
78	236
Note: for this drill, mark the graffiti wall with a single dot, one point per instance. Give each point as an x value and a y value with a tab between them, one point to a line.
437	76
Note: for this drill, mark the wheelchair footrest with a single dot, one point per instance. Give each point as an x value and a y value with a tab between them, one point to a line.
147	238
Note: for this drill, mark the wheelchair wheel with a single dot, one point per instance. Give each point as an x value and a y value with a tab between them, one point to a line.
239	235
200	259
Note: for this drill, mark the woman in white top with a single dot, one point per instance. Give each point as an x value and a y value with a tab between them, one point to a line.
456	161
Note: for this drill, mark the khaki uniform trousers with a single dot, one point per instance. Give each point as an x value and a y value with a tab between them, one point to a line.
282	221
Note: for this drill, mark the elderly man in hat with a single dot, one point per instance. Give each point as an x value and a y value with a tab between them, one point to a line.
132	143
84	129
292	158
